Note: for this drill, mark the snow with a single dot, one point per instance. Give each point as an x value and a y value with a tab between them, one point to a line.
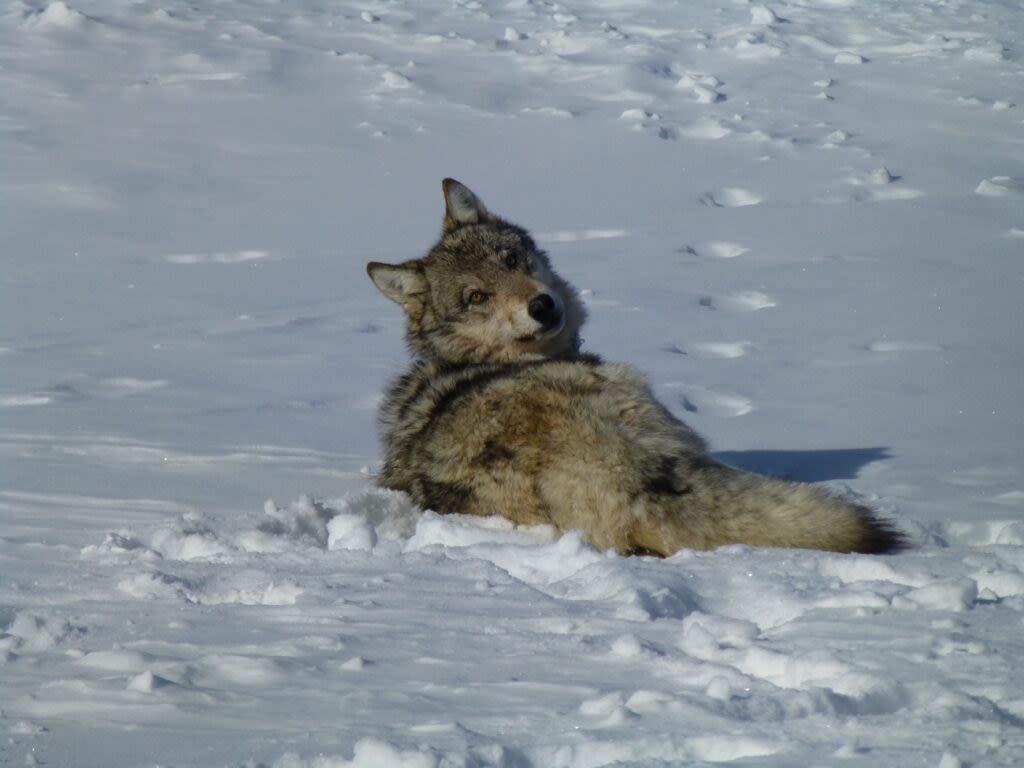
802	220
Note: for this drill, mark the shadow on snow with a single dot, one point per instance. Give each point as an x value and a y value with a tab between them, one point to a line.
812	466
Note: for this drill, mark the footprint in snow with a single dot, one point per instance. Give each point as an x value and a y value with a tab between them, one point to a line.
893	346
24	401
824	85
731	197
701	400
705	129
999	105
179	78
572	236
220	257
717	350
848	57
758	46
747	301
643	120
740	301
722	350
880	184
394	81
1000	186
894	193
716	249
703	87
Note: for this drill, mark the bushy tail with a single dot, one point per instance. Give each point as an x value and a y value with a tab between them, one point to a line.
729	506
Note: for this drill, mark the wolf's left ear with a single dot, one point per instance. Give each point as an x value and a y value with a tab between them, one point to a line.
402	283
461	206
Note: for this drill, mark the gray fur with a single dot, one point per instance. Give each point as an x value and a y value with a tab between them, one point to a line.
500	416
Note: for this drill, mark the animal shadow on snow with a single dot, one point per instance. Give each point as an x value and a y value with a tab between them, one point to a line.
811	466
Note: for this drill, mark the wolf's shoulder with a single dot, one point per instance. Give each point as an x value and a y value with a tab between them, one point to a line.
428	389
587	371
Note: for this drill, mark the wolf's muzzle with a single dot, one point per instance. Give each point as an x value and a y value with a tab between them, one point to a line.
545	311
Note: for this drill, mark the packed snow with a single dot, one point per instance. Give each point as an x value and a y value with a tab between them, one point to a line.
804	220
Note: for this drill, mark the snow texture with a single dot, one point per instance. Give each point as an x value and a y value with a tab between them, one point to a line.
804	221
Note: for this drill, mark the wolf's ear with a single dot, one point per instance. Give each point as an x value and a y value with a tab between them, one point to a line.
402	283
461	206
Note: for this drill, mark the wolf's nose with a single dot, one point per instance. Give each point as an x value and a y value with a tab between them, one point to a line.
542	309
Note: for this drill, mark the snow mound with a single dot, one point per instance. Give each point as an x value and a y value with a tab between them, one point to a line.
57	15
368	753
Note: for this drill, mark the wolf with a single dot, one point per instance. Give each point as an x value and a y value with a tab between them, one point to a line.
502	413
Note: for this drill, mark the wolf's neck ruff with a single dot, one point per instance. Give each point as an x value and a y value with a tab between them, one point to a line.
501	413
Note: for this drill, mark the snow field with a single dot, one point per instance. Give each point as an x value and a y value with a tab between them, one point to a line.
802	219
368	610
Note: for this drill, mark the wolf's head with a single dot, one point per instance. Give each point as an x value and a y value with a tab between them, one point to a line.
484	293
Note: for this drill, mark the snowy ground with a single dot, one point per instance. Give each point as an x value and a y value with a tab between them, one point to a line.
805	221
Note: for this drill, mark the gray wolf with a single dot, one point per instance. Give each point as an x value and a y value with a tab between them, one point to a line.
501	413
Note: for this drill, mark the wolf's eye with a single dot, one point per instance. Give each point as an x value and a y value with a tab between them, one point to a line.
511	261
477	297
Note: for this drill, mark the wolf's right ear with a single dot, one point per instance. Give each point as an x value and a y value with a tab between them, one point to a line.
461	206
402	283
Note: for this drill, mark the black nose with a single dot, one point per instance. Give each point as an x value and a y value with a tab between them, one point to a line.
542	309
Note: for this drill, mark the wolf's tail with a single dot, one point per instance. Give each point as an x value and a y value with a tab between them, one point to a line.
728	506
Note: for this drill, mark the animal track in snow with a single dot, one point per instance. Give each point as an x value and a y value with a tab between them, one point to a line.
998	105
571	236
984	533
1000	186
123	386
555	112
703	87
880	184
747	301
717	249
199	77
223	257
836	138
886	345
82	386
895	193
643	120
848	57
707	129
395	81
725	350
731	197
698	400
24	401
989	52
756	47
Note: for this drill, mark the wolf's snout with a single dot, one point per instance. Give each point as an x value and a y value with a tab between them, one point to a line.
543	309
